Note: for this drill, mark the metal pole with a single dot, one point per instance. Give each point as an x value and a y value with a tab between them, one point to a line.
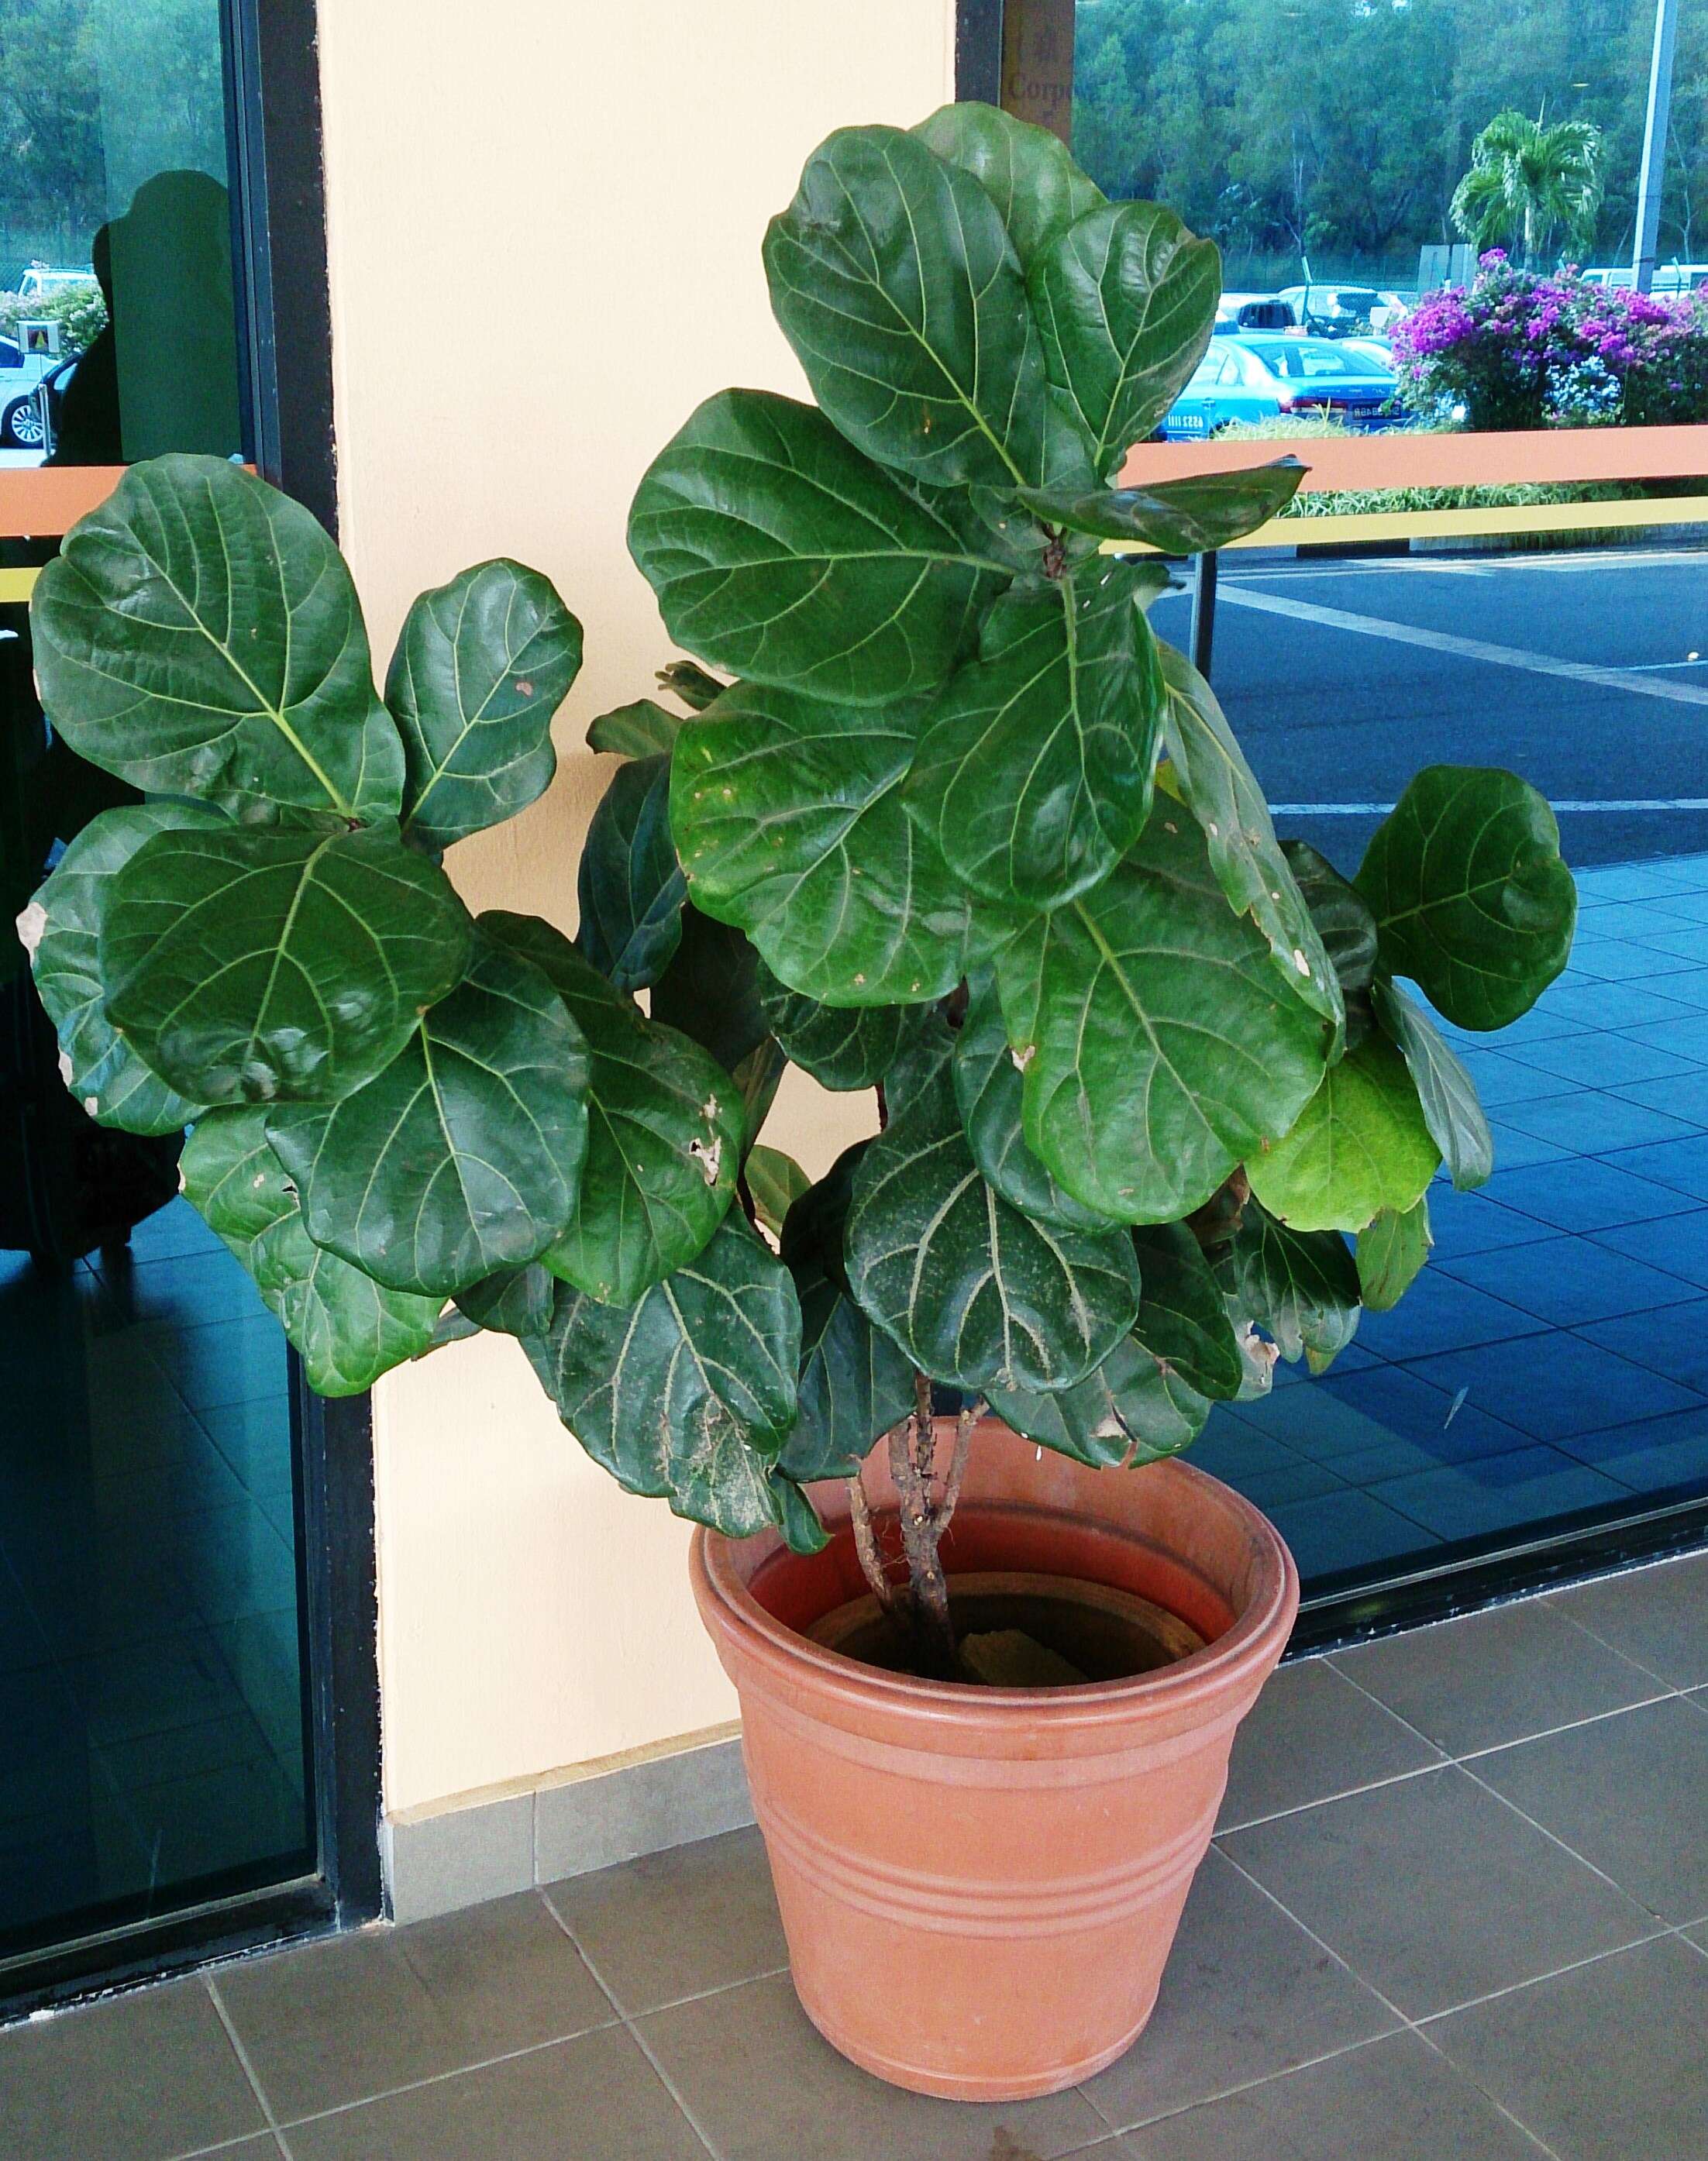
1203	612
1654	143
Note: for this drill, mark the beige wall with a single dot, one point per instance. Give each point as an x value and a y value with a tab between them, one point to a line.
545	224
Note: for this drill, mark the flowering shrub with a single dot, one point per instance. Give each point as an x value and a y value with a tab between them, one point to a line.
79	312
1518	350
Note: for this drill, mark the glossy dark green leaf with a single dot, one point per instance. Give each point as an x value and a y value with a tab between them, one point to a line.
1470	894
757	1077
199	634
1221	792
644	729
630	885
1130	1411
688	1393
513	1302
1182	1319
1192	517
802	1531
464	1156
990	1091
277	965
776	1182
1125	299
842	1047
61	927
789	821
710	991
1160	1046
1452	1111
1359	1146
1390	1255
1035	770
1301	1287
480	667
687	680
664	1131
893	277
976	1293
1027	172
780	552
1340	913
346	1328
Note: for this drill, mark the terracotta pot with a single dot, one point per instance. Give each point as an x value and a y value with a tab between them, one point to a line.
980	1886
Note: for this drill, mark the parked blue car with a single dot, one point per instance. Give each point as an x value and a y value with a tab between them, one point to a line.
1258	378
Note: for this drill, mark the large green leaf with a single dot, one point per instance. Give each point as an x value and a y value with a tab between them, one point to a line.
990	1091
976	1293
199	634
777	550
1035	770
1159	1044
842	1047
1469	894
1125	299
513	1302
688	1393
61	927
854	1383
789	821
1027	172
1390	1255
643	729
1452	1111
893	277
1300	1286
688	680
346	1328
1340	913
482	664
1221	792
711	991
1182	1319
776	1181
464	1156
630	884
665	1126
1192	517
250	965
1130	1411
1359	1146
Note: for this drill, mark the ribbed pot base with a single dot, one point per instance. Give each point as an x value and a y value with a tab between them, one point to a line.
980	1886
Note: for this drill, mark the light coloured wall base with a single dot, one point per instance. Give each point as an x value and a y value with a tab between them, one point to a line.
488	1844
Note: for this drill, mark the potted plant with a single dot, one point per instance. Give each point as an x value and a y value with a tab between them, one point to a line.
951	827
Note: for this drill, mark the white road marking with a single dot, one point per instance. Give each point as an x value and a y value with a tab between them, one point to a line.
1382	809
1464	648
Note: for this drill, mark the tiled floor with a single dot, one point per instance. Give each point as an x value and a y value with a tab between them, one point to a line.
150	1704
1553	1358
1457	1910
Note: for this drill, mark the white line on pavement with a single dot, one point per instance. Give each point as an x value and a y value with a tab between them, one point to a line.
1464	648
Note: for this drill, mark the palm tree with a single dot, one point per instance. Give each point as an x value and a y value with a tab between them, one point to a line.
1526	180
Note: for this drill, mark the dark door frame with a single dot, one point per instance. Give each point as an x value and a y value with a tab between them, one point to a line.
272	103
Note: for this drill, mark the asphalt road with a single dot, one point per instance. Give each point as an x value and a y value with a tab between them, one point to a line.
1586	671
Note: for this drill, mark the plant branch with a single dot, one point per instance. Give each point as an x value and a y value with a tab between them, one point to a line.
865	1545
970	1413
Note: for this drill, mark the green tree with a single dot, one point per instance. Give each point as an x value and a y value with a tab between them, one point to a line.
1528	181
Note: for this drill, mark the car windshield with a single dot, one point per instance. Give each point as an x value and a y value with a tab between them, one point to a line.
1299	360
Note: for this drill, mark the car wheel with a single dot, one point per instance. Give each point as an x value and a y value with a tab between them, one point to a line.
21	430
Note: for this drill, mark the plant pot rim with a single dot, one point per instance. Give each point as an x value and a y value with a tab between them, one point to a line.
1270	1601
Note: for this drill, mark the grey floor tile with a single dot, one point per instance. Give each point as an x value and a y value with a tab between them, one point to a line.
1314	1735
595	2099
1656	1617
1435	1890
341	2022
1497	1676
1395	2101
677	1924
1247	1993
1605	2062
139	2079
809	2102
1630	1793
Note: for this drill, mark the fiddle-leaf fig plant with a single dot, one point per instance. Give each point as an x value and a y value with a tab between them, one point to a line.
930	812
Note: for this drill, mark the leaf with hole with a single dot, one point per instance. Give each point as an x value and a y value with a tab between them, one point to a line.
1359	1146
1469	894
630	884
975	1293
464	1156
1452	1109
1191	517
480	667
1300	1286
256	965
789	821
199	634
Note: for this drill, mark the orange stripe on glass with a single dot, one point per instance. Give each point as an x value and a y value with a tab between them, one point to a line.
40	503
1402	459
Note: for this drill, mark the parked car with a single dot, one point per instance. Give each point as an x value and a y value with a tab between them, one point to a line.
1669	280
45	401
1338	311
1260	378
20	376
41	282
1253	311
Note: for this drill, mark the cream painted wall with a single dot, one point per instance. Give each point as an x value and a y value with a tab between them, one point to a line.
544	219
